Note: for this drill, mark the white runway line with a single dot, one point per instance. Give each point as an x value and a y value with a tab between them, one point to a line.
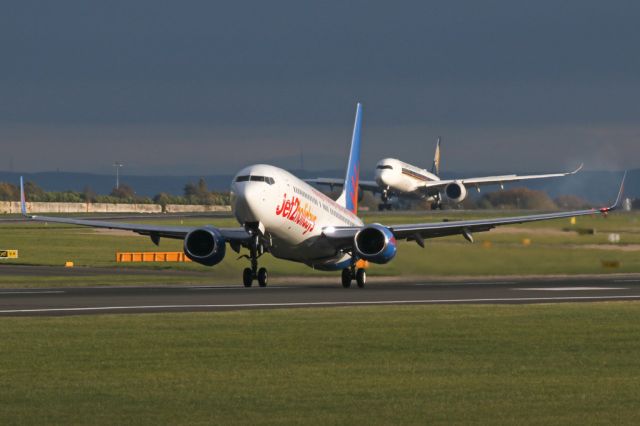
305	304
32	292
569	288
235	287
627	281
468	283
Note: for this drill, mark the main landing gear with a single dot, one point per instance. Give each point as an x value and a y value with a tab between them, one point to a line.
348	274
252	273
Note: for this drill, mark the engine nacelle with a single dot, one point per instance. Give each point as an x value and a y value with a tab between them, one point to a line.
456	191
205	246
375	243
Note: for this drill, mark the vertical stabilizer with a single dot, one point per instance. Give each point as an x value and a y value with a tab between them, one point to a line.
349	197
435	168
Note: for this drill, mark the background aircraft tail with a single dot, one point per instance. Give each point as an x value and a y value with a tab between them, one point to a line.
23	200
349	197
435	168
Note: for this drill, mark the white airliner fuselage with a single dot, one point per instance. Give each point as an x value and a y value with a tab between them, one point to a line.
291	214
402	177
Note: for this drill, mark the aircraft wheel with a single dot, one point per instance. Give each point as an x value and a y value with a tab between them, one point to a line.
262	277
247	277
346	278
361	277
381	207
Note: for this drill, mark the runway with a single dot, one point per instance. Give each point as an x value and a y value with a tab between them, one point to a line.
103	300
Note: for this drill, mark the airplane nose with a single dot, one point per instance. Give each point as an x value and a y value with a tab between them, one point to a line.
384	177
249	197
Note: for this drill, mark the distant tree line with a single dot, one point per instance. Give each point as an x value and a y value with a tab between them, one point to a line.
508	199
524	199
194	193
199	194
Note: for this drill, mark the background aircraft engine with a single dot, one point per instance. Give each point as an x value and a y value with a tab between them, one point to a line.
205	246
456	191
375	243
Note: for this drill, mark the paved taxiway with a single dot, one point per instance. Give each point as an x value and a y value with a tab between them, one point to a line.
88	300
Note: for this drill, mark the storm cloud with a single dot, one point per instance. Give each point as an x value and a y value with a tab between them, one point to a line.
207	87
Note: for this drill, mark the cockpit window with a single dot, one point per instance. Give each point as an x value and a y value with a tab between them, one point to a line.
385	166
246	178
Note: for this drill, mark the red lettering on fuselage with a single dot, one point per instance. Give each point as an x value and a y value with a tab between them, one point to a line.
302	216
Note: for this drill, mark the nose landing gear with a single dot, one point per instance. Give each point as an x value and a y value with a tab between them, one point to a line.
437	202
252	273
385	205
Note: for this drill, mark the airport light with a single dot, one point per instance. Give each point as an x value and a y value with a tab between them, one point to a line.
117	165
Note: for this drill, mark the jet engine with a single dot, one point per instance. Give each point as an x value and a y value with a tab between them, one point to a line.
456	191
205	246
375	243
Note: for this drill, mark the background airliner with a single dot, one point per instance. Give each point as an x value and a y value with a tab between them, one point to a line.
284	216
397	178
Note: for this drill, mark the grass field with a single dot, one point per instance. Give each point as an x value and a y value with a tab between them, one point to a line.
524	364
556	248
534	364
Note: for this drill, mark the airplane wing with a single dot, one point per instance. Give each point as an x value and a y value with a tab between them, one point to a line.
367	185
154	231
342	237
493	180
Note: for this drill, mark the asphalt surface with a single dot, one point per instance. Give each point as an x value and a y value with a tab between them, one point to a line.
101	300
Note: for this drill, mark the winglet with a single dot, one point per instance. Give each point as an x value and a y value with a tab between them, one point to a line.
23	203
619	198
576	170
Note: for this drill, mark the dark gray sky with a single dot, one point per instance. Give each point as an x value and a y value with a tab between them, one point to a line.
206	87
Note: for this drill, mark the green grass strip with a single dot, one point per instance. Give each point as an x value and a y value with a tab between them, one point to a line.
535	364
